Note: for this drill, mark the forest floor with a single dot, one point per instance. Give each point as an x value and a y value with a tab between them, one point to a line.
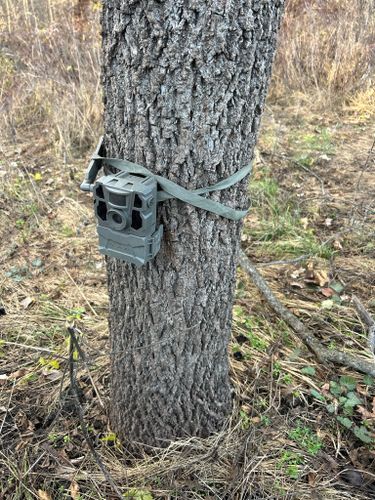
299	429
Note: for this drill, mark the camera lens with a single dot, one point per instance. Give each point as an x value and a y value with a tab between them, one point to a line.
117	219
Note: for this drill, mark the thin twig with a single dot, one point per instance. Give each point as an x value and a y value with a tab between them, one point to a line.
7	408
80	292
75	393
284	262
323	354
33	465
34	348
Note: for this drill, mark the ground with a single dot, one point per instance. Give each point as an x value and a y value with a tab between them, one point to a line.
299	429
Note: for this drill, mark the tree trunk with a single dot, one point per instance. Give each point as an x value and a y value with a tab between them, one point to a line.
184	88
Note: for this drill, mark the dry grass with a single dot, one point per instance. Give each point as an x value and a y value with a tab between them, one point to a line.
49	72
326	53
312	194
49	65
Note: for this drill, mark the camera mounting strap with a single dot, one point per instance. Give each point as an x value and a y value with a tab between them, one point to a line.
171	189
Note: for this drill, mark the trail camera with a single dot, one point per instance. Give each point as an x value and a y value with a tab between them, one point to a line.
125	207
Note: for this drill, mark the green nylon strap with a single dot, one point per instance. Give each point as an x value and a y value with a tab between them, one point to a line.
173	190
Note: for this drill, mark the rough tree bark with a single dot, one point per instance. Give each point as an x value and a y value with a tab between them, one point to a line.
184	88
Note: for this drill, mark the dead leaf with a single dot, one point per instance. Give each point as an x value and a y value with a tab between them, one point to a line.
325	157
327	292
328	222
25	303
311	477
18	374
53	374
3	378
297	273
365	413
43	495
362	390
337	245
316	277
325	389
304	222
321	277
74	490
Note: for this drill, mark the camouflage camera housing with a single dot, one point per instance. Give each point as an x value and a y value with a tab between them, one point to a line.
125	208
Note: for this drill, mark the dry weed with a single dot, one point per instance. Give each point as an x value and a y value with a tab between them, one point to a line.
326	51
49	73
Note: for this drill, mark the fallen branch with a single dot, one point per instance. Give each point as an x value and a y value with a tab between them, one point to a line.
323	354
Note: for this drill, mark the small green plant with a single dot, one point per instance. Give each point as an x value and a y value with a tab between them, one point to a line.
245	420
264	189
290	462
308	370
261	403
276	370
332	345
29	378
57	439
18	274
236	348
31	209
20	223
287	379
368	380
279	489
53	437
251	326
265	420
76	313
52	364
111	438
67	231
135	494
306	438
342	400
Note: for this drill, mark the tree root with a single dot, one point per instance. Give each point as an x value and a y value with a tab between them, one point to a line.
323	354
